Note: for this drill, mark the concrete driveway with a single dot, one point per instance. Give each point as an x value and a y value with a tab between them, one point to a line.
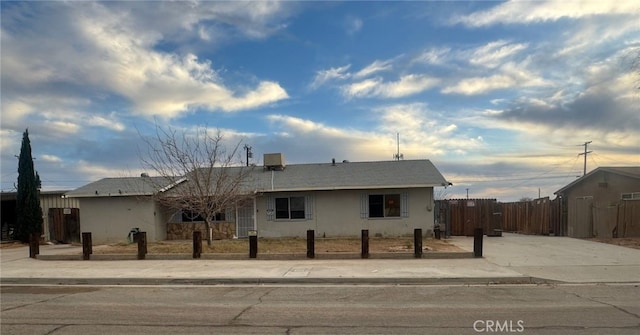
560	258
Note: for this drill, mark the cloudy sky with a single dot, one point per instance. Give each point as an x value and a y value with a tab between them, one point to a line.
499	95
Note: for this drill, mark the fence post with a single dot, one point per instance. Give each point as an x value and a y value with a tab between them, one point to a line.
477	242
87	246
197	244
365	244
253	243
142	244
311	244
34	245
417	242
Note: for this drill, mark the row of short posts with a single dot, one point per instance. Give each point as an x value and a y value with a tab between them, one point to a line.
141	239
364	253
34	245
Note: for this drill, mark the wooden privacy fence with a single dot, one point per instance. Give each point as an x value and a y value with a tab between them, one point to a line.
463	216
620	219
539	216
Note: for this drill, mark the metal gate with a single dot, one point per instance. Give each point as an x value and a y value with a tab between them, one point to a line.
245	219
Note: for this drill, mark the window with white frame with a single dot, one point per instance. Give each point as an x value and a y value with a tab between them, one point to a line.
294	207
630	196
290	208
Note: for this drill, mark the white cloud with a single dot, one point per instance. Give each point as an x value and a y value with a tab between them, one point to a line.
494	53
334	73
433	56
50	158
124	61
302	126
353	25
522	12
163	84
363	88
406	86
511	75
104	122
376	66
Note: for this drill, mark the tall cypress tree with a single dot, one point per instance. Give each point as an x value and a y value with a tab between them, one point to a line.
28	210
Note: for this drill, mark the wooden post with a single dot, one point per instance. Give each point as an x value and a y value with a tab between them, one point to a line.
34	245
87	247
311	244
253	244
417	242
142	244
197	244
477	242
365	244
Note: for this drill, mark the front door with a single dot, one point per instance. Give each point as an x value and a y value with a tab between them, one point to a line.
245	219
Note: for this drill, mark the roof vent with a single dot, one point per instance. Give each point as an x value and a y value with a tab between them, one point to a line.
144	175
274	161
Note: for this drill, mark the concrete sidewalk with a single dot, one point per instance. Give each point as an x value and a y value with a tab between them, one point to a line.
508	259
561	259
16	267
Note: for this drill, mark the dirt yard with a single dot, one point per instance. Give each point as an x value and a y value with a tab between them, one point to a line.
629	242
284	246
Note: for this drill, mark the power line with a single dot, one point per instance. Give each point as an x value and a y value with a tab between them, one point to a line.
585	153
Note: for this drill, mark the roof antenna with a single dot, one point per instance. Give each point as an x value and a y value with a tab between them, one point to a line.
398	156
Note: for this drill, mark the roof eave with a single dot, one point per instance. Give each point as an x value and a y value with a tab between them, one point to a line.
109	195
344	188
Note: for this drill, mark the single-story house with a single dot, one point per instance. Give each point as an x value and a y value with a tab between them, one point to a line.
112	207
389	198
604	203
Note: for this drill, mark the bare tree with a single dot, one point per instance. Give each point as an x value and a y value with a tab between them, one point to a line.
201	176
441	193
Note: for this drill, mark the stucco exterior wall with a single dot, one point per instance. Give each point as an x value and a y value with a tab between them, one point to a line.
605	189
338	213
110	219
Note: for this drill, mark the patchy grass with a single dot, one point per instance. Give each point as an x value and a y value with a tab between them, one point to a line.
283	246
12	244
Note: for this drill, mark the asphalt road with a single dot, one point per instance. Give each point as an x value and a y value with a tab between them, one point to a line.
331	309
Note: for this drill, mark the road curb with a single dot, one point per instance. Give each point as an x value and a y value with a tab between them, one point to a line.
281	257
275	281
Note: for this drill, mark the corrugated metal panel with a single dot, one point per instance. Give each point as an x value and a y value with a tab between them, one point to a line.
54	200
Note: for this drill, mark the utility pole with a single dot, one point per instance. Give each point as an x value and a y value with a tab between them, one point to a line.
249	153
398	156
585	153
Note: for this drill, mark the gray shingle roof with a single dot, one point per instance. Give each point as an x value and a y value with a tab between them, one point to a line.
127	186
354	175
296	177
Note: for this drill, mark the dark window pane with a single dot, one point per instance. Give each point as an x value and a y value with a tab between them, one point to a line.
219	217
282	208
189	216
392	205
297	207
376	206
